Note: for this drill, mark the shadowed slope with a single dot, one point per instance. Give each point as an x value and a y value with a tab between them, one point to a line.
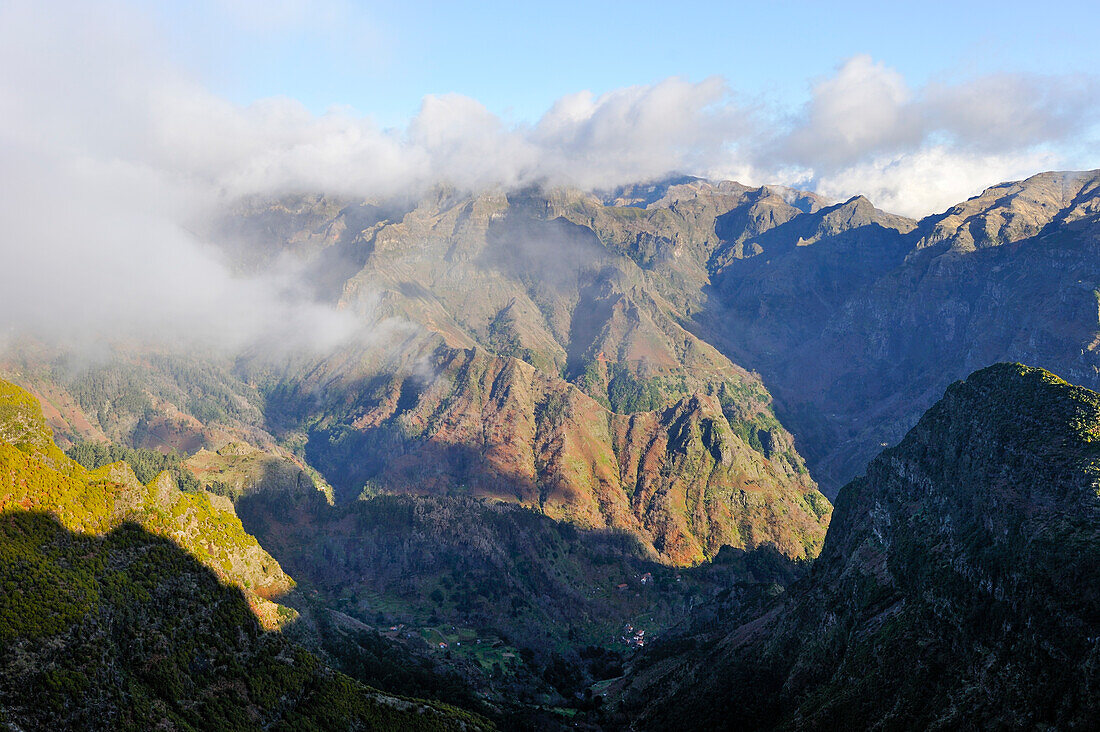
959	585
126	631
119	628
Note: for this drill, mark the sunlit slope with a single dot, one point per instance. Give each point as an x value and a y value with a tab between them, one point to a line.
37	476
135	607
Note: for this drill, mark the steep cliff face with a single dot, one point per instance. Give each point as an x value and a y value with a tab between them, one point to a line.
959	584
591	293
775	285
856	319
685	478
1012	212
1010	275
516	337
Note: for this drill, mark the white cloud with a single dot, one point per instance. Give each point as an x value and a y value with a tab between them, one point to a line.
639	132
917	151
930	179
864	109
108	151
93	204
1011	111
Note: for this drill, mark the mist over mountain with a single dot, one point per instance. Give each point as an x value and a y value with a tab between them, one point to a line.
576	368
855	318
116	157
578	356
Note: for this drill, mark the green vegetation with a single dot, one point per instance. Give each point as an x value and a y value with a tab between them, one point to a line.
36	475
552	409
126	631
22	425
971	549
147	464
124	628
504	340
368	656
628	394
532	611
155	401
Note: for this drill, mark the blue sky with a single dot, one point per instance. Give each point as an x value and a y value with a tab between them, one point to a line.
917	106
125	124
518	57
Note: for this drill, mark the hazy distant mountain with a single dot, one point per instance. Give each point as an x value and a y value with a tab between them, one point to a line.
857	341
856	318
626	419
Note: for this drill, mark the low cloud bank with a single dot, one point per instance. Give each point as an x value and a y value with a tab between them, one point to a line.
110	154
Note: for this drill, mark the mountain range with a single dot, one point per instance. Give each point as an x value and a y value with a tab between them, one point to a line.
572	419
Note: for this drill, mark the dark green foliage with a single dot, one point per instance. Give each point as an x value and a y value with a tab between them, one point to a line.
368	657
219	488
147	464
749	433
110	395
127	397
628	393
504	340
502	333
552	409
958	588
545	589
126	631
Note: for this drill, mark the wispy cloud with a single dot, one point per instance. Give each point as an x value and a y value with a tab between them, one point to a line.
95	199
861	119
109	151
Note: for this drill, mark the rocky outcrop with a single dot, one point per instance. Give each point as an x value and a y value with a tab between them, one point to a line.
35	475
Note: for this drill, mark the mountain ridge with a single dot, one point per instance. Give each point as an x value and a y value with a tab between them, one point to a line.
969	549
130	606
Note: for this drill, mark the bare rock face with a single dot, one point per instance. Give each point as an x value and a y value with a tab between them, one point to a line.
496	310
539	354
1008	276
959	585
1011	212
650	295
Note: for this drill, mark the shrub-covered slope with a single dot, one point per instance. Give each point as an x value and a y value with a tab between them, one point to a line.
686	479
959	585
36	475
125	631
118	609
531	346
533	611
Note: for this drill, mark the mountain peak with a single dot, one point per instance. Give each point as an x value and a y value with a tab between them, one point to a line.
1009	212
854	213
